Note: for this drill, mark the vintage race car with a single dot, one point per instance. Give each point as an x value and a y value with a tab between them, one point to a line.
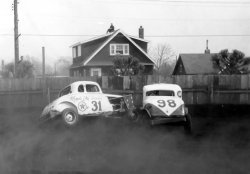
162	103
86	99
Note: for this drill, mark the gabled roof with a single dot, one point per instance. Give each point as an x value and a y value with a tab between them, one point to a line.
92	39
137	38
105	35
198	64
109	38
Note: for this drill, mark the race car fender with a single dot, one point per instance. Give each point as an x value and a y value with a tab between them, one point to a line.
146	109
65	105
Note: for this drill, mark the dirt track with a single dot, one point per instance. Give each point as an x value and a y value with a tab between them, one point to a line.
218	145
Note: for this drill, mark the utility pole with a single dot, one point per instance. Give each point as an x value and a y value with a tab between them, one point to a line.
16	35
43	64
43	71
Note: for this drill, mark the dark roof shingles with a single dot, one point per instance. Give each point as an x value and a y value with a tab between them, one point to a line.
198	63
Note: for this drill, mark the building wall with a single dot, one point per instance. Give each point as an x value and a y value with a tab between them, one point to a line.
87	49
179	68
143	45
85	71
104	58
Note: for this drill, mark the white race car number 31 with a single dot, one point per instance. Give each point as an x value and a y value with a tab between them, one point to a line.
162	103
96	106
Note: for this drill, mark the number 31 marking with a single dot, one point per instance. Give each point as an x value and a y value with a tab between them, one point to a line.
162	103
97	106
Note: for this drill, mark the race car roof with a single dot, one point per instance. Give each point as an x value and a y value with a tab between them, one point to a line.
74	85
83	83
162	86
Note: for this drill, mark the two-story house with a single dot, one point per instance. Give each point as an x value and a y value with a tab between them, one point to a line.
94	57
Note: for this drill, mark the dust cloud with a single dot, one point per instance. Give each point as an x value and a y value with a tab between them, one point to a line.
218	145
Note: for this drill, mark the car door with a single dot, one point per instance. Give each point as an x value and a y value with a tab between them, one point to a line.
89	100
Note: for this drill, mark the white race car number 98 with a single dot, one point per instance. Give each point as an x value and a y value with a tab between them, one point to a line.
163	103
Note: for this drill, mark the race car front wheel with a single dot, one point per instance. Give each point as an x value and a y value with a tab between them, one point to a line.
70	117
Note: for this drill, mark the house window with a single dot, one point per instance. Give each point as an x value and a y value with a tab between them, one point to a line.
79	51
95	72
119	49
76	51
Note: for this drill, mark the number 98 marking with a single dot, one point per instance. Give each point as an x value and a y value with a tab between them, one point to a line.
162	103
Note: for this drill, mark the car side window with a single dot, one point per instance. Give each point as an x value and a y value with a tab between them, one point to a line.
80	88
92	88
166	93
152	93
160	93
65	91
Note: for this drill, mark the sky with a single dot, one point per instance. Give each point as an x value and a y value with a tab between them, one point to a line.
185	25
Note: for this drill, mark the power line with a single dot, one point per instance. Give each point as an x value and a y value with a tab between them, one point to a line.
150	19
92	35
203	35
182	2
199	2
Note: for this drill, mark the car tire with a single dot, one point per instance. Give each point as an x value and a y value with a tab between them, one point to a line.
70	117
133	116
144	118
188	124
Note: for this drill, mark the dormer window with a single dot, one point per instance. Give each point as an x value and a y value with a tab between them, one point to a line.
119	49
77	51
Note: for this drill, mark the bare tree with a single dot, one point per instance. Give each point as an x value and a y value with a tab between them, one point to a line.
25	69
37	64
163	56
62	65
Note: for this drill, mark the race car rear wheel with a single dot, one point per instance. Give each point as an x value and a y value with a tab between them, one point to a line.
133	116
70	117
188	124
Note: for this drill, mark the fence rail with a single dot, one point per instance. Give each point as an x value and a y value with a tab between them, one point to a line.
197	89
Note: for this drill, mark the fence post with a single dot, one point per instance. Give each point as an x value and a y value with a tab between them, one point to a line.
211	89
247	89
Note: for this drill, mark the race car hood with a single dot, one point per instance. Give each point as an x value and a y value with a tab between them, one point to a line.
50	106
113	95
166	105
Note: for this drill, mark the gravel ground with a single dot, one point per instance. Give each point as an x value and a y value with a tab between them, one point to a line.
217	145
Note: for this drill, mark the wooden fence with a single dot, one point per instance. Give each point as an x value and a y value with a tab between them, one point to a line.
197	89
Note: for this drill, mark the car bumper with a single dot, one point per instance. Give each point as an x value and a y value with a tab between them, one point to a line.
165	120
48	115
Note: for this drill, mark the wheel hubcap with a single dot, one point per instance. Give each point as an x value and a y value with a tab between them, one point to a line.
69	118
133	116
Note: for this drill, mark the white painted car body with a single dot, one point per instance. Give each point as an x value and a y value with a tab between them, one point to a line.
85	98
163	103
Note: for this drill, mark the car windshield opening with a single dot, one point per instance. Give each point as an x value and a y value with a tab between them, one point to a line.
65	91
160	93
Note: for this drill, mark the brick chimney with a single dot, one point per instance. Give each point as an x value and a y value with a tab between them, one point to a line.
207	51
141	32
